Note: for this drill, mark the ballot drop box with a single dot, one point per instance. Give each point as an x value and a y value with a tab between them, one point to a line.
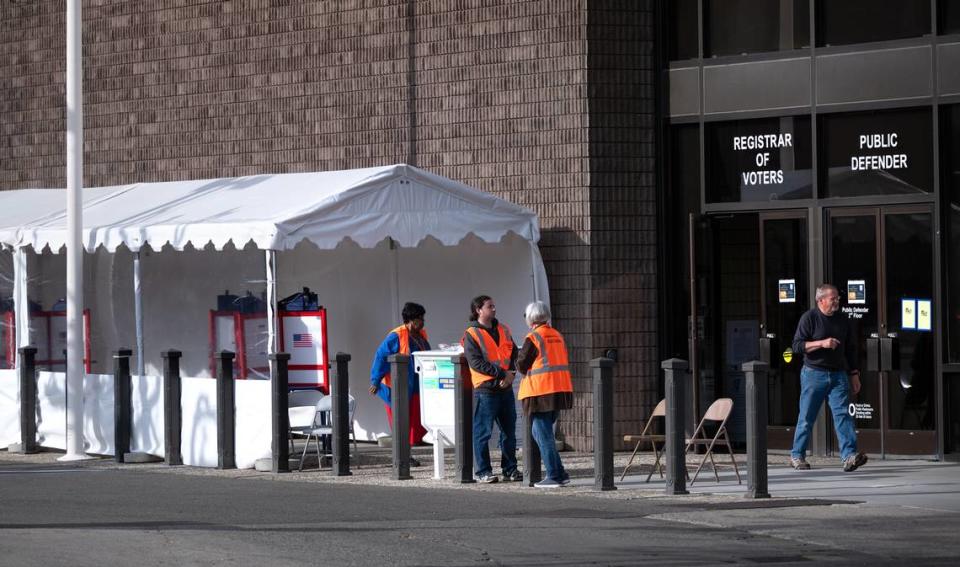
437	405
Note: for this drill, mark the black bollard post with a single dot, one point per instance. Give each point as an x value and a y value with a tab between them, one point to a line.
532	472
756	391
226	412
280	424
28	399
122	391
463	420
602	423
675	376
400	404
340	415
172	412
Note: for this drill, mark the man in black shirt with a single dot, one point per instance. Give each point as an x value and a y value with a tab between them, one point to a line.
829	373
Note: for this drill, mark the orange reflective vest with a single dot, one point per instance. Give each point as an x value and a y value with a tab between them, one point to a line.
497	354
550	372
404	335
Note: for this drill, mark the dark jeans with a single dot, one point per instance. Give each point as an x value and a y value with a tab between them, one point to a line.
541	426
815	387
491	406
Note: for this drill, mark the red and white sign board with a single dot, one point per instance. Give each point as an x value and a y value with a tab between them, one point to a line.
303	334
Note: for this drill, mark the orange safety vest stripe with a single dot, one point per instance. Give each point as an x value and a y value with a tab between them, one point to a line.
550	372
404	335
498	354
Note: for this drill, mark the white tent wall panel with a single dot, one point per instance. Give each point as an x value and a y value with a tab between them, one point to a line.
364	290
356	286
146	407
180	289
98	408
198	438
9	408
52	418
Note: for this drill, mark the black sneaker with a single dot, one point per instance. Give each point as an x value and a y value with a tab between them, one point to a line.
414	462
799	463
487	478
854	462
515	476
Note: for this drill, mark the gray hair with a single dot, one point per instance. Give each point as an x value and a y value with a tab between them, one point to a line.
824	289
536	312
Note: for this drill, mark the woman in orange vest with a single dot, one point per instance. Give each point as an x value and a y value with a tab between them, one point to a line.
491	355
406	339
546	388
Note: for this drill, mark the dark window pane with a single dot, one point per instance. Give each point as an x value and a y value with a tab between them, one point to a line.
683	29
841	22
684	198
950	185
732	27
949	16
884	152
758	160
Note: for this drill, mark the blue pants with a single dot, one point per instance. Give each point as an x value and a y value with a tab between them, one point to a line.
541	425
491	406
815	386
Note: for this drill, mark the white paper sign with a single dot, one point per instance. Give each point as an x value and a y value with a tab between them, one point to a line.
908	313
924	315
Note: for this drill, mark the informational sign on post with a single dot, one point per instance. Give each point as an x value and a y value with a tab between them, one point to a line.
437	403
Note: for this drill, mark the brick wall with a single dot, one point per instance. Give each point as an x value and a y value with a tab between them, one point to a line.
547	103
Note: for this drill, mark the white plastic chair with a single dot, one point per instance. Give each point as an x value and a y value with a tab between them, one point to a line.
322	426
302	411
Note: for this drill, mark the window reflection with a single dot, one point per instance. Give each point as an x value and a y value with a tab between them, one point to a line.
734	27
842	22
876	153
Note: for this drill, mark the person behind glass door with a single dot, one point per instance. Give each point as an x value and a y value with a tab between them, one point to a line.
826	339
491	355
546	387
406	339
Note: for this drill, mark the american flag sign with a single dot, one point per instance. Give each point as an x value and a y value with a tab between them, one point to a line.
302	340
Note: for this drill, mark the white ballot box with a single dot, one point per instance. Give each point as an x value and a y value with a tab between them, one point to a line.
437	413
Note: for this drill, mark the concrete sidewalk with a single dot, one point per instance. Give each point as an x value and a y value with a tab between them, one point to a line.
915	483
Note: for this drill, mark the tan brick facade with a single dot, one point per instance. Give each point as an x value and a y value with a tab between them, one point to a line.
548	103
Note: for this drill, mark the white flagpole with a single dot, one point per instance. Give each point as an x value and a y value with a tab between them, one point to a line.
75	370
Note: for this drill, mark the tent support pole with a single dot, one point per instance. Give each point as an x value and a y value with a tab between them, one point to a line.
21	301
75	370
533	268
138	311
271	257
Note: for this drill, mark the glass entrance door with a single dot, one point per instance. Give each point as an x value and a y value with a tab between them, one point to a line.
881	259
784	297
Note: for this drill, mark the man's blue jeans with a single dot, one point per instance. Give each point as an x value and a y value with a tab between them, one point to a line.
815	387
541	425
491	406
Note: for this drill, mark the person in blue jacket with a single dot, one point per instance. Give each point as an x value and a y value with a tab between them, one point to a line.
406	339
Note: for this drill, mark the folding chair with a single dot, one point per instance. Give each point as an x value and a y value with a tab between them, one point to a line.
645	436
302	412
719	411
322	427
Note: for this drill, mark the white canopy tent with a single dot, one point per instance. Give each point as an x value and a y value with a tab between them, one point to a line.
365	240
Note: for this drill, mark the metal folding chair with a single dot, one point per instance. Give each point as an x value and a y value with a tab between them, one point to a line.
719	411
647	437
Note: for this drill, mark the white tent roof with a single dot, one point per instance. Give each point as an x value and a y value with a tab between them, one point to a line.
274	211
